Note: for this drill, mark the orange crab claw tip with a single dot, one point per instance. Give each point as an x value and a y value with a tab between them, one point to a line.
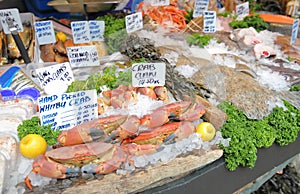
28	183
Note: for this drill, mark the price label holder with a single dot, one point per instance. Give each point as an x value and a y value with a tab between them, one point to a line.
97	29
83	56
148	74
67	110
294	31
81	32
200	7
159	2
62	72
44	32
242	10
14	15
134	22
209	24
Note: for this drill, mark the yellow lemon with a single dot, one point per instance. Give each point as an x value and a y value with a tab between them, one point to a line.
61	36
206	130
33	145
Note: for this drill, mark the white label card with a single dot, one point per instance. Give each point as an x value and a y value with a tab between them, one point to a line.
242	10
14	15
97	30
148	74
209	24
83	56
294	31
69	109
81	32
159	2
44	32
200	7
134	22
62	72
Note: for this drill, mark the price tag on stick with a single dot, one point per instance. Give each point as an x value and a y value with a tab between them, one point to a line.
200	7
97	29
134	22
44	32
294	31
209	24
83	56
14	15
148	74
81	32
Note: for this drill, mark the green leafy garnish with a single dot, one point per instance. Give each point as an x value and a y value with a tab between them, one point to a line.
33	126
199	40
247	135
254	21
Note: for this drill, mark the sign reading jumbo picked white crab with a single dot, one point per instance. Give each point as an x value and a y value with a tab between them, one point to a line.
12	14
81	32
200	7
83	56
67	110
44	32
97	29
148	74
134	22
61	72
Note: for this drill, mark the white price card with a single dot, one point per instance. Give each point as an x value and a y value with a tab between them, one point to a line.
67	110
134	22
62	72
148	74
158	2
242	10
83	56
97	30
81	32
200	7
294	31
14	15
209	24
44	32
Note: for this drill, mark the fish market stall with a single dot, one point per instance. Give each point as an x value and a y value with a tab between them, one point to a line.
168	98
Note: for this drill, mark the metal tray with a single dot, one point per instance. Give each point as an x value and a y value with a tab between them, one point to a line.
89	6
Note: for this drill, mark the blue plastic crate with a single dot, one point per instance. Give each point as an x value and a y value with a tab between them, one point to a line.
39	5
46	13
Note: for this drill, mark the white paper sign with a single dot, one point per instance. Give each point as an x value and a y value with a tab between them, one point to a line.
209	24
134	22
200	7
97	29
159	2
83	56
81	32
148	74
69	109
62	72
44	32
14	15
242	10
294	31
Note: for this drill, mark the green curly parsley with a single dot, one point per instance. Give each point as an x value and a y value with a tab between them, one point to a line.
33	126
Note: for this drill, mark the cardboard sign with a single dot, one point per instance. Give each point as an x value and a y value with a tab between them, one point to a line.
242	10
60	71
83	56
44	32
209	24
69	109
294	31
97	30
81	32
148	74
159	2
14	15
134	22
200	7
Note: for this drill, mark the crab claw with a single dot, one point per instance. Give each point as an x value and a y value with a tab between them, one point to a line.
28	183
183	131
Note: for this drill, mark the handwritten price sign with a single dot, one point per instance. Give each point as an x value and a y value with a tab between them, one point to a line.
44	32
134	22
